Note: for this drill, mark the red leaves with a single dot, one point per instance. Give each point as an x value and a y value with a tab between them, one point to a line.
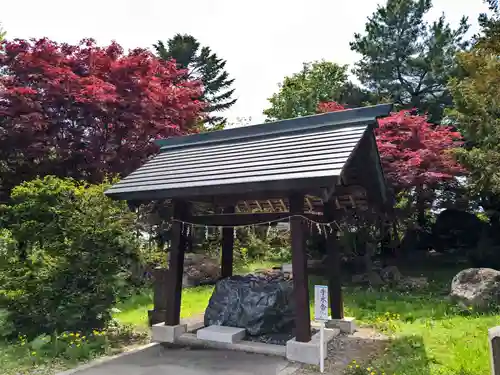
329	107
415	152
412	151
85	111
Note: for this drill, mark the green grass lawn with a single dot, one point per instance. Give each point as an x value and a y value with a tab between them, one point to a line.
194	300
429	335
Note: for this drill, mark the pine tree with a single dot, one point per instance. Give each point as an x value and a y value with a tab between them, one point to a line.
201	63
476	101
407	59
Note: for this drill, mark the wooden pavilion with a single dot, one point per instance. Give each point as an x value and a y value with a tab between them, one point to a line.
316	167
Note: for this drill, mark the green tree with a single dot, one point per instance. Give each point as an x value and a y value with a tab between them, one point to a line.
69	256
319	81
476	111
407	59
201	63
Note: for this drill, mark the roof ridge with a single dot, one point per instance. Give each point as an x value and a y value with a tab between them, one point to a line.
298	124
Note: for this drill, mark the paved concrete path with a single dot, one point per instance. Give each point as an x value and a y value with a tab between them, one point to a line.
157	360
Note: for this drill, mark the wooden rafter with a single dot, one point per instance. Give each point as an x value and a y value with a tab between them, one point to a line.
337	203
247	206
283	205
258	205
311	208
271	205
353	203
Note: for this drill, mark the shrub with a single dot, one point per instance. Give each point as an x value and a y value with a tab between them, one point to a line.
69	258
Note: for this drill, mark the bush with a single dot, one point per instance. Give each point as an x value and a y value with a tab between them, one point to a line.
69	256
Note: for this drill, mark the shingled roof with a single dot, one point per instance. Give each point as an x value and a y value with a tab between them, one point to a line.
283	154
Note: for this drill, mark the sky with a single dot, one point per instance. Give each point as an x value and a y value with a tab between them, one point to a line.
262	40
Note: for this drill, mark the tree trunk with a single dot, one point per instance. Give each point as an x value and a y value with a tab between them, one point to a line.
421	219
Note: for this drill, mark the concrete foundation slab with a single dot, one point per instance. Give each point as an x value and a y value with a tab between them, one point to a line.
308	352
177	360
191	340
221	334
346	325
170	334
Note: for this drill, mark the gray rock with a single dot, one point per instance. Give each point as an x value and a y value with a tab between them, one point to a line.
371	278
390	274
361	278
374	279
260	305
200	269
477	287
413	283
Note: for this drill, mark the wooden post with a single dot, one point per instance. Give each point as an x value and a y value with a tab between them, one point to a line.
227	248
333	261
299	269
176	265
494	339
160	296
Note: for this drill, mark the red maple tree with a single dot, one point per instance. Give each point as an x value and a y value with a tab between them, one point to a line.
85	111
413	151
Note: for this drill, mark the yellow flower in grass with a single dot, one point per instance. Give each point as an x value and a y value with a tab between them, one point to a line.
77	334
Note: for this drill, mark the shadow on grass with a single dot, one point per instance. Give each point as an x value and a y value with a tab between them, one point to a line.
404	355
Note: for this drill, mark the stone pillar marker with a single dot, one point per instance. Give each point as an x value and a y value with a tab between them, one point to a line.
494	340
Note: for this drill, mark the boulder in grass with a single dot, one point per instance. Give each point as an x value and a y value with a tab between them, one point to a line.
200	269
476	287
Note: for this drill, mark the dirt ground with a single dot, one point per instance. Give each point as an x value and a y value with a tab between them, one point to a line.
365	344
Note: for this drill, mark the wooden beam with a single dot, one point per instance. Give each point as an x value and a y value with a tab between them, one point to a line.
299	269
284	205
227	248
247	218
247	206
271	205
176	265
258	205
333	259
353	203
337	203
309	204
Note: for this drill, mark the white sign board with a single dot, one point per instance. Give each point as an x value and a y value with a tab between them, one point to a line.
321	302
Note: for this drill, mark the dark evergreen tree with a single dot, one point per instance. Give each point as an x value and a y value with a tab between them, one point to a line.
201	63
407	59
